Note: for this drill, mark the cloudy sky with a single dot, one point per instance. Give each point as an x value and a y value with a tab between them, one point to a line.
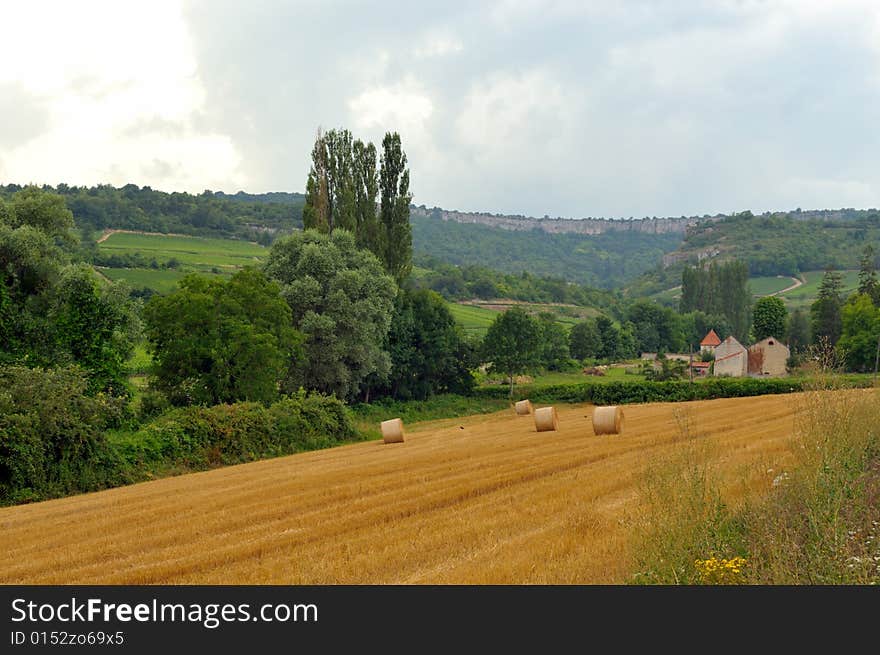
606	108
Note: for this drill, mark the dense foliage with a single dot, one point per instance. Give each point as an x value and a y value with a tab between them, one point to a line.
786	244
131	207
52	311
429	353
614	393
825	312
341	301
719	288
603	260
202	437
512	344
216	341
770	318
52	433
473	281
860	333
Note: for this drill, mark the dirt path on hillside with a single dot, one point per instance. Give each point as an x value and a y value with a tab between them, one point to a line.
106	234
797	283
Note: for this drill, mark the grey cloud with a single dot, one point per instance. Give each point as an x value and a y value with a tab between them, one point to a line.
24	116
159	169
599	109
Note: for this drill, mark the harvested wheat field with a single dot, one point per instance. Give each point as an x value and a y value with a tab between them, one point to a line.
494	502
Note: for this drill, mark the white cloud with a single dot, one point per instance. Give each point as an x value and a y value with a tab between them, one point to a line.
438	45
516	112
101	68
402	107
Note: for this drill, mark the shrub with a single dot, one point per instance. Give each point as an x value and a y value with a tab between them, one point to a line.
620	393
52	434
202	437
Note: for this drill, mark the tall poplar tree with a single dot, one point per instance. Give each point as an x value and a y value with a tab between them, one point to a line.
394	210
825	312
316	211
868	283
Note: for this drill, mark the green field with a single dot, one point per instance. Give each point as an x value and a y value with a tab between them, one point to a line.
805	294
194	254
195	251
765	286
475	320
160	280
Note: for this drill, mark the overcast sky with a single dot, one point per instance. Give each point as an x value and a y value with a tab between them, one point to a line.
575	109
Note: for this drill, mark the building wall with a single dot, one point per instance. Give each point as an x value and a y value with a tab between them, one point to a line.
731	358
731	366
775	356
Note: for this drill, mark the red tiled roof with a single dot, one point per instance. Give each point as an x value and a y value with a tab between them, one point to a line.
711	339
701	364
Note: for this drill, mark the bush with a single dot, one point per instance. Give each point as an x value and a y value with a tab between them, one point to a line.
52	434
202	437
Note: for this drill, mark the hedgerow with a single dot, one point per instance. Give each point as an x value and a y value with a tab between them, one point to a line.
621	393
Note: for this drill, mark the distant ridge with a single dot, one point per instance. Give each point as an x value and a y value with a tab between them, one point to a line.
647	225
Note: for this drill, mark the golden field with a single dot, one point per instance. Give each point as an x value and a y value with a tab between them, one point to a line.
484	499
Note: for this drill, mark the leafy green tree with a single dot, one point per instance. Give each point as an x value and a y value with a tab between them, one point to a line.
584	340
655	327
512	344
798	333
825	319
394	210
95	324
554	352
627	346
52	312
428	351
769	318
342	301
868	284
609	337
47	212
860	333
221	342
368	233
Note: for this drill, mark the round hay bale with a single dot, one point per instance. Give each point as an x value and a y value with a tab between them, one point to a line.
523	407
392	431
546	419
608	420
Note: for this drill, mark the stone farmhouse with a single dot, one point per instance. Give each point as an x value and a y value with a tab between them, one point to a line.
766	358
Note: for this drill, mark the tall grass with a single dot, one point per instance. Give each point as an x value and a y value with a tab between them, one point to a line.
816	522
